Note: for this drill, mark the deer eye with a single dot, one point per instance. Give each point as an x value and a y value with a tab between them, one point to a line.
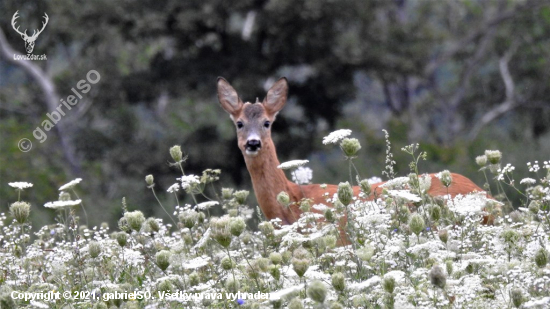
266	124
240	124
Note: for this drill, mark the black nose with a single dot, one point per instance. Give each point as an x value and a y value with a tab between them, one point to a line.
253	144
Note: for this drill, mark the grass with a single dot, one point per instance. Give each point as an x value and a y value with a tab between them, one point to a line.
408	249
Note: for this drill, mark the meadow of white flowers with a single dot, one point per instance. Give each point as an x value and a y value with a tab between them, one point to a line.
408	249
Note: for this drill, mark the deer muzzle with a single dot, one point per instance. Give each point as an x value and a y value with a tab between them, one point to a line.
252	146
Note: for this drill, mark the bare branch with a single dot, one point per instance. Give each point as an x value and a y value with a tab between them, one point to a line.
50	96
478	32
509	102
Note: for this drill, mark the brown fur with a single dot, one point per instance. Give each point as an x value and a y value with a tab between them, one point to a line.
268	180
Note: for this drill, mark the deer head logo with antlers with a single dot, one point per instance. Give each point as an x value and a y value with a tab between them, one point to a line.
29	40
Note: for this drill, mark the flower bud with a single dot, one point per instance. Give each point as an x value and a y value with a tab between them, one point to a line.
266	228
194	279
438	277
188	218
176	153
64	196
163	259
449	267
232	285
350	146
305	205
329	215
435	212
541	258
300	261
295	303
446	178
481	160
237	226
227	263
150	180
443	236
365	253
534	207
365	187
389	284
20	211
317	291
517	297
165	286
416	223
94	249
276	258
345	193
135	219
221	231
275	272
121	238
338	282
493	156
153	224
226	193
283	199
241	196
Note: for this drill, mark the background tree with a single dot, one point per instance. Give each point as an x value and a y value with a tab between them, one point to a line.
458	77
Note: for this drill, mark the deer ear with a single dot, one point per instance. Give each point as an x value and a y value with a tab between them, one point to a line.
228	97
276	96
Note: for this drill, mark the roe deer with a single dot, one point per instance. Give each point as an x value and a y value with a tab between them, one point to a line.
253	122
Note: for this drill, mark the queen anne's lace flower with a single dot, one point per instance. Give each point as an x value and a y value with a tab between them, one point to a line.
188	180
62	204
20	185
207	205
70	185
173	188
292	164
404	194
336	136
528	181
302	175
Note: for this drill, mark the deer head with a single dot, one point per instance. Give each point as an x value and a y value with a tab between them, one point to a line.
253	120
29	40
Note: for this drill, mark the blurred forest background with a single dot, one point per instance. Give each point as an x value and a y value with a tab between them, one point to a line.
458	77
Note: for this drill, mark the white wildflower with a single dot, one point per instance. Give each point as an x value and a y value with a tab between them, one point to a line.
173	188
207	205
292	164
196	263
533	167
189	180
302	175
36	304
365	284
320	207
528	181
20	185
404	194
471	203
203	240
336	136
396	183
70	185
62	204
374	180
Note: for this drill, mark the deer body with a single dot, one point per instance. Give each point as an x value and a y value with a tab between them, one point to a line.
253	122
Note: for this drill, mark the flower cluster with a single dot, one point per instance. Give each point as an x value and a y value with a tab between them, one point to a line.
389	247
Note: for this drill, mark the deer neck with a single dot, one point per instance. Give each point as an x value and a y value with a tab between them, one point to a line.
268	181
